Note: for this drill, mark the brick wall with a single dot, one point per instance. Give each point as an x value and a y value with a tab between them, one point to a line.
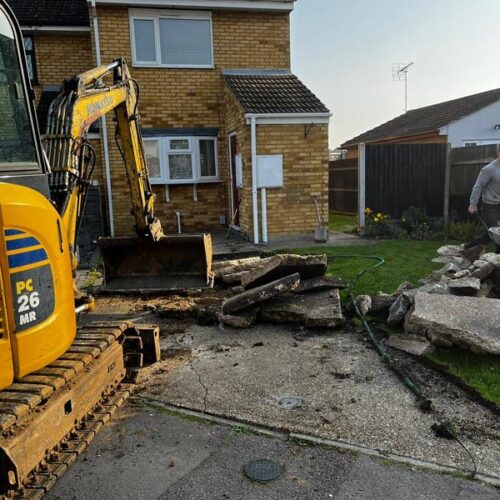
192	98
290	210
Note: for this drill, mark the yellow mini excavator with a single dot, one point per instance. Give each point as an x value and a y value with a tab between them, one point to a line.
59	384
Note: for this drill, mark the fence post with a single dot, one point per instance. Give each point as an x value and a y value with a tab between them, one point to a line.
446	211
362	187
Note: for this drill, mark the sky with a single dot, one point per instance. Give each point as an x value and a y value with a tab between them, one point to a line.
344	50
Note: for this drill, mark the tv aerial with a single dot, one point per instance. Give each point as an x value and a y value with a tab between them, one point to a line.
400	73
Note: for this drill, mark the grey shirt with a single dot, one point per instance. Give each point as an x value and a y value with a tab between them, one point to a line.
487	185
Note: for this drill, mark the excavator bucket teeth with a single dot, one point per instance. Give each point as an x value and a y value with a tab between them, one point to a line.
172	263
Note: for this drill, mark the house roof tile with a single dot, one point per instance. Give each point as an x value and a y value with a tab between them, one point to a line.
50	12
427	119
273	92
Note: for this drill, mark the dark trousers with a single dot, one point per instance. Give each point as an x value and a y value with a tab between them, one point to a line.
490	215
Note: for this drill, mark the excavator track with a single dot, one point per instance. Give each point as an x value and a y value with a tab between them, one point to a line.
48	418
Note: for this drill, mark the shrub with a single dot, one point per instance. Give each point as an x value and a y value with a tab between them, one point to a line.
414	219
463	231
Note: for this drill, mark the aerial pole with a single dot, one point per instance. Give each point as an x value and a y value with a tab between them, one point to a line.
400	72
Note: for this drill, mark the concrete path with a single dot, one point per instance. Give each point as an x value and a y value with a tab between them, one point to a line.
146	453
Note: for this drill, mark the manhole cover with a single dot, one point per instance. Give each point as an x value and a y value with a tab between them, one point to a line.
289	402
263	470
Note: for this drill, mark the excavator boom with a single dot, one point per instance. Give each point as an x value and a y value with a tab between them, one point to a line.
150	260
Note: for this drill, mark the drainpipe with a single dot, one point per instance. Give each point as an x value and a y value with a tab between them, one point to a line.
263	199
253	133
104	129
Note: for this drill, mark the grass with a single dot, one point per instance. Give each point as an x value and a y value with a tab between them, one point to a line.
342	222
404	261
479	371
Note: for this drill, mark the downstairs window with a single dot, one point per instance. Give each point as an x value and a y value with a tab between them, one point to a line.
182	160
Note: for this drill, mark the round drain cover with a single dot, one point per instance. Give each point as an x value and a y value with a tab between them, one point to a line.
263	470
289	402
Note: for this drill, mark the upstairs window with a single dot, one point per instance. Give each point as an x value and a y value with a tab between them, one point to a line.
171	39
29	49
182	160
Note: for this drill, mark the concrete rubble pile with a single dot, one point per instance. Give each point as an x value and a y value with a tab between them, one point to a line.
284	288
456	305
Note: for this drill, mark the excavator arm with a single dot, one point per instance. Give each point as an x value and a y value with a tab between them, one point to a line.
84	100
153	261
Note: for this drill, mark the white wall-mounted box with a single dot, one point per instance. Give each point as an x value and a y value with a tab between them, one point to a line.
239	171
269	171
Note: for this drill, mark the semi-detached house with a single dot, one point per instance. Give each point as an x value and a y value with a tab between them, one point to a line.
232	136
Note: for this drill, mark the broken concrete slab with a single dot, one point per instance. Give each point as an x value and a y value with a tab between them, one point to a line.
462	274
450	250
458	261
494	258
404	287
465	286
314	310
221	265
382	302
412	344
320	284
246	319
278	266
482	269
260	294
468	322
398	310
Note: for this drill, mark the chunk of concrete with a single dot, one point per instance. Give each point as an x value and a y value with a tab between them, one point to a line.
468	322
412	344
450	250
494	258
404	287
260	294
398	310
246	319
364	303
314	310
382	302
465	286
461	274
320	284
459	262
278	266
222	266
482	269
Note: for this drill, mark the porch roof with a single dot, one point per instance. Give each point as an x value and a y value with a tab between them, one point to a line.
272	92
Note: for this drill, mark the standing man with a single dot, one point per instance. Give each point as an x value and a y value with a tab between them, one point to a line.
487	188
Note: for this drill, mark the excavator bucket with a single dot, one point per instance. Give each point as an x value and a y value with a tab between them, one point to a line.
174	263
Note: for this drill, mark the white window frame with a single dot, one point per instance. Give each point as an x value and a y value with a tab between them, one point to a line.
194	151
155	16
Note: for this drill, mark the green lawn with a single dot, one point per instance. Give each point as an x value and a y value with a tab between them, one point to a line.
480	372
342	222
404	261
410	261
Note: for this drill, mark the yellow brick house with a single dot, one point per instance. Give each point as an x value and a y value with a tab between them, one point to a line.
232	136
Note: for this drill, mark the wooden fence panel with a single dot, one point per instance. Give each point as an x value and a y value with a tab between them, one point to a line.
343	186
399	176
465	166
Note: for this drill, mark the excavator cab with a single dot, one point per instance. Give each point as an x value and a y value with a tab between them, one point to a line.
37	316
